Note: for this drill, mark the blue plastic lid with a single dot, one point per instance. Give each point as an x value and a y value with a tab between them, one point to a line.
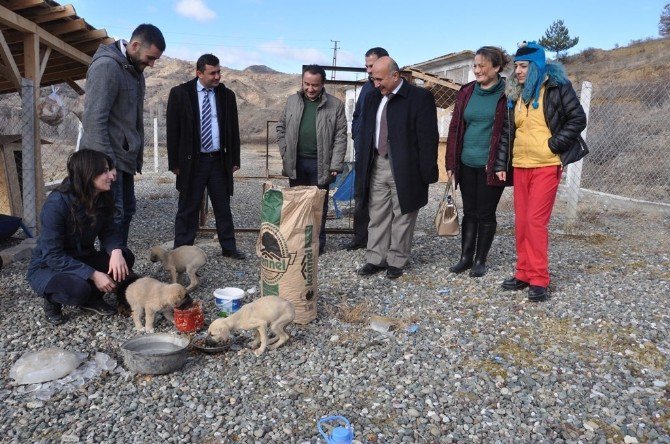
340	435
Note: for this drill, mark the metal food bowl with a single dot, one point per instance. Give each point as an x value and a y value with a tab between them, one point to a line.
200	342
155	354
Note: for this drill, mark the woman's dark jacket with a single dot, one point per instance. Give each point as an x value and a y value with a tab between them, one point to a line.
457	132
565	118
60	247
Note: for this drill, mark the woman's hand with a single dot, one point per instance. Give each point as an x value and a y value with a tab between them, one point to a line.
118	268
103	282
502	175
450	175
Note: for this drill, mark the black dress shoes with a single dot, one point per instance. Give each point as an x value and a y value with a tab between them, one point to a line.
369	269
514	284
537	293
393	272
234	254
354	245
53	312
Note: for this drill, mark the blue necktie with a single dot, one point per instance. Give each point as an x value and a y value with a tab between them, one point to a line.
206	123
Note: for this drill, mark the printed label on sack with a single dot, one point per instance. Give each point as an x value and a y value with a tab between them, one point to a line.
275	257
307	263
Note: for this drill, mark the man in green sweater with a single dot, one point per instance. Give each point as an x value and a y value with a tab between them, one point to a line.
312	137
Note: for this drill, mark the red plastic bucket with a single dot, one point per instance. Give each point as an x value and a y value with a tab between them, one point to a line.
190	319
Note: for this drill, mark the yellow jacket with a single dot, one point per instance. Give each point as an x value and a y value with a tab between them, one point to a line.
531	141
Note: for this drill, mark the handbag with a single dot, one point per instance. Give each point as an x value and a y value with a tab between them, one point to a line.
446	219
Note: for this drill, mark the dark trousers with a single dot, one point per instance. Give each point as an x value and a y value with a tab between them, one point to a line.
361	215
124	201
306	174
480	200
68	289
208	174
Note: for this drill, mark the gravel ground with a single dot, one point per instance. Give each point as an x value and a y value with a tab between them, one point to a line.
590	365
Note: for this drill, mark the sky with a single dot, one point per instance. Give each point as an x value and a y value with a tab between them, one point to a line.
285	34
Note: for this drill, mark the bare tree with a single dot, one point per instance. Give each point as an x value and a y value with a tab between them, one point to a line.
557	38
664	22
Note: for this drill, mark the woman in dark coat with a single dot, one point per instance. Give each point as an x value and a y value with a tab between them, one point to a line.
65	268
474	136
541	135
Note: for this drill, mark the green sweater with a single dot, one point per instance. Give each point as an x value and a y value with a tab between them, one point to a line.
307	132
478	115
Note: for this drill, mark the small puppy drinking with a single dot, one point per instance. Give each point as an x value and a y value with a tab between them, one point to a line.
269	311
148	296
185	259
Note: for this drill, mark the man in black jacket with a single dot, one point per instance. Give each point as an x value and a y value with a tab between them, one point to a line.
203	143
361	214
399	151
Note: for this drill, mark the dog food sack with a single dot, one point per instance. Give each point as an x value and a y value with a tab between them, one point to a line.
288	246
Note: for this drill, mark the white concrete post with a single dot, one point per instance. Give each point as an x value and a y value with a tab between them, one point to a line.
573	177
155	144
81	132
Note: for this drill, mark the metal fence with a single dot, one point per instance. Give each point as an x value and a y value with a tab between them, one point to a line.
628	136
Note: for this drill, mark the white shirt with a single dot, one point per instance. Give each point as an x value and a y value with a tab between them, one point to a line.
216	143
379	112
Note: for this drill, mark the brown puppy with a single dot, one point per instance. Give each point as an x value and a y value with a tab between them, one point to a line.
185	259
148	296
269	311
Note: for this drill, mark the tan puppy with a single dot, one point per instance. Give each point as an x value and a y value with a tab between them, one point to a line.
269	311
185	259
148	296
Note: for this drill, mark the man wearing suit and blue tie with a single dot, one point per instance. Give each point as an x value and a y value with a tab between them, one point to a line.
203	144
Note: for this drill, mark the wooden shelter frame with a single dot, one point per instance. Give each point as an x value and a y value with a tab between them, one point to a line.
41	43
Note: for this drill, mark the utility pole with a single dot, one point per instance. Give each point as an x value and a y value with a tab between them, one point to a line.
332	75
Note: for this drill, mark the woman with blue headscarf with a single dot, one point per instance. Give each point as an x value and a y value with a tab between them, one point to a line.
541	135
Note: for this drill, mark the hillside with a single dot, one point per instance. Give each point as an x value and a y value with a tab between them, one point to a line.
261	93
643	61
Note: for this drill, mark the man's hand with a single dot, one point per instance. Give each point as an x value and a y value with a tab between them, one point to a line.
117	265
333	173
235	168
502	175
175	171
450	175
103	282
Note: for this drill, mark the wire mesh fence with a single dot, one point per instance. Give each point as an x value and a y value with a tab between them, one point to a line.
628	136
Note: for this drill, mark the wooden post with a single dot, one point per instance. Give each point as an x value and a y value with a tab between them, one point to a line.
28	123
573	179
31	132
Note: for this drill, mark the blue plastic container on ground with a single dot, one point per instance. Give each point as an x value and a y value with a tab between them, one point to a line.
339	434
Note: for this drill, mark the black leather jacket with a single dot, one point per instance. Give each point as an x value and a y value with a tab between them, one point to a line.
566	120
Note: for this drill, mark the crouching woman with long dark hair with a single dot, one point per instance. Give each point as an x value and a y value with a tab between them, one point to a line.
65	268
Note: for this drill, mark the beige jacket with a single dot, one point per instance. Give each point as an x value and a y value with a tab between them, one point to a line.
331	135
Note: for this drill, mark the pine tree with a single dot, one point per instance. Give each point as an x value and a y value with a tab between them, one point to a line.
557	38
664	22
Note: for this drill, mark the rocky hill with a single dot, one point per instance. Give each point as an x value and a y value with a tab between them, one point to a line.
261	92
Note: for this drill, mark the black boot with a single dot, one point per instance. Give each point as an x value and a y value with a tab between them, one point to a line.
53	312
468	239
485	234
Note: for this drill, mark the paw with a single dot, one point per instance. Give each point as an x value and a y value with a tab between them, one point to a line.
123	310
149	330
140	329
258	352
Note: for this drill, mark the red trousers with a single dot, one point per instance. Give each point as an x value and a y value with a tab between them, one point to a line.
534	195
